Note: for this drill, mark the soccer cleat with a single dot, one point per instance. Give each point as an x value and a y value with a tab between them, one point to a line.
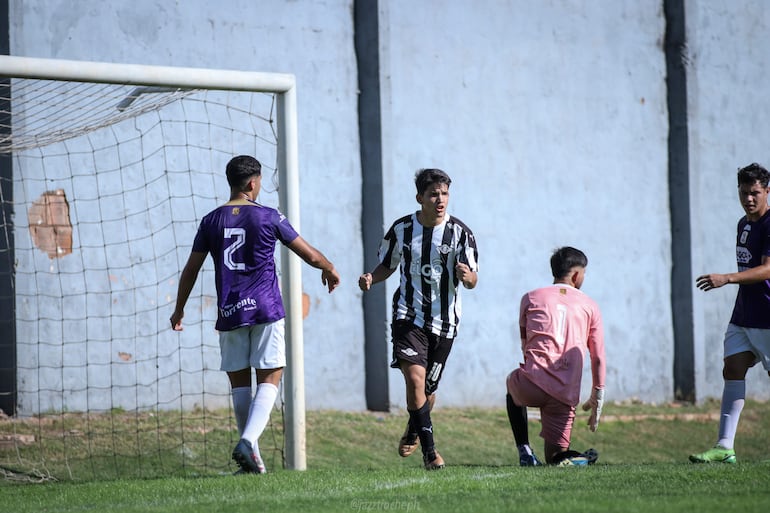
436	463
591	455
408	443
716	454
529	460
574	461
244	456
582	459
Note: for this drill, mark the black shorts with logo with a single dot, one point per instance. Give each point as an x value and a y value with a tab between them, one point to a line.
420	346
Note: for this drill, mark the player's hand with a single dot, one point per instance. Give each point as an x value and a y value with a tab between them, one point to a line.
594	403
176	321
365	282
464	274
330	278
711	281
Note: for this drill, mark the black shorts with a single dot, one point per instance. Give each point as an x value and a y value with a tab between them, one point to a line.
420	346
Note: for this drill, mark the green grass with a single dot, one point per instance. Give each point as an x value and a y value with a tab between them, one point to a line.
353	466
627	488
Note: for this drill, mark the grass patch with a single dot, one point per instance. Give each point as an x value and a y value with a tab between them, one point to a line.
353	466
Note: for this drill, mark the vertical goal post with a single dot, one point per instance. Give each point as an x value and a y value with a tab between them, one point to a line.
284	87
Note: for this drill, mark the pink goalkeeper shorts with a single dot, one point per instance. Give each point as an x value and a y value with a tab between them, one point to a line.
556	417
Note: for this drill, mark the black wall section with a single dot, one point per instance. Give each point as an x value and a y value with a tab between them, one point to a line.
679	201
375	304
7	295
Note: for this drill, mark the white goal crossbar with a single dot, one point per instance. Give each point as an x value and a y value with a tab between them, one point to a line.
284	86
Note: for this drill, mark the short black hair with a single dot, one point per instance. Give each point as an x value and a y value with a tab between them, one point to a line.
240	169
426	177
753	173
564	259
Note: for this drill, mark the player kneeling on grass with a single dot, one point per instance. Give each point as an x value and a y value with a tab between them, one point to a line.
557	323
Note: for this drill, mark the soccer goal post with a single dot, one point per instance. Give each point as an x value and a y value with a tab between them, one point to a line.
74	153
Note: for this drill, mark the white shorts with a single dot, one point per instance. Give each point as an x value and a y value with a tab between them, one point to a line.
261	346
754	340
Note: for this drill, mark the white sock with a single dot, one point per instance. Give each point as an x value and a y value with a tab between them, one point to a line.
733	398
241	405
261	407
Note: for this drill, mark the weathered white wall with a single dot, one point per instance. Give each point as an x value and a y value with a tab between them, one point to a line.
551	119
728	113
311	39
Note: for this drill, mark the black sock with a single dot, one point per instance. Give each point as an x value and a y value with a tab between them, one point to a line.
420	419
517	416
410	428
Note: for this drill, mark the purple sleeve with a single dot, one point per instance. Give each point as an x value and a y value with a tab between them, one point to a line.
200	244
284	230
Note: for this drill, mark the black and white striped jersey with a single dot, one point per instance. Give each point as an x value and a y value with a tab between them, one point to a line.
428	294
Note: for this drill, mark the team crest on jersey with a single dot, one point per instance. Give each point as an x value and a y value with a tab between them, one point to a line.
444	249
743	255
236	211
745	234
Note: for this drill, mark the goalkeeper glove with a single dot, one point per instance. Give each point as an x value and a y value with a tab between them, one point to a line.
594	404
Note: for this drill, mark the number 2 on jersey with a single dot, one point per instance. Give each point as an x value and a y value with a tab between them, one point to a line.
239	234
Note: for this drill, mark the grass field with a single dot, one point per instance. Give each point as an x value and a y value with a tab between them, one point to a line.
353	466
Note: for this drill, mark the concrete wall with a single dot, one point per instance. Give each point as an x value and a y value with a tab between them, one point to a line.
312	40
551	119
727	43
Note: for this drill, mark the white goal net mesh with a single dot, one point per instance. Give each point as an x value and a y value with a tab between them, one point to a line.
109	185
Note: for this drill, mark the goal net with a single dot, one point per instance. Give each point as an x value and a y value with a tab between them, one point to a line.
106	171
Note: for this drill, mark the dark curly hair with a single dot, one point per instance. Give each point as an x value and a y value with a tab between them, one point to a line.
753	173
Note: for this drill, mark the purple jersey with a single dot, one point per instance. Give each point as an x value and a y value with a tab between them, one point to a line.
241	240
752	306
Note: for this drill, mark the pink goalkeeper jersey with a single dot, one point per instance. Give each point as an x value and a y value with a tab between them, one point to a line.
561	322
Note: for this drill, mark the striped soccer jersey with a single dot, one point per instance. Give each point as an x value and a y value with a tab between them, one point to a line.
428	294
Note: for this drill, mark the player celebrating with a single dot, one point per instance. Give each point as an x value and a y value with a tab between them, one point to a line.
747	339
241	236
436	252
557	324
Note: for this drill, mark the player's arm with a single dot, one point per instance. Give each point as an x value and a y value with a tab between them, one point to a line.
747	277
598	371
523	307
390	253
315	258
186	283
380	273
467	263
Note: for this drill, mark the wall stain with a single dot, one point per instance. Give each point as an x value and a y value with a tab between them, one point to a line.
49	224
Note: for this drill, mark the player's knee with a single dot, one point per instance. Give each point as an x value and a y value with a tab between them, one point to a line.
737	365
